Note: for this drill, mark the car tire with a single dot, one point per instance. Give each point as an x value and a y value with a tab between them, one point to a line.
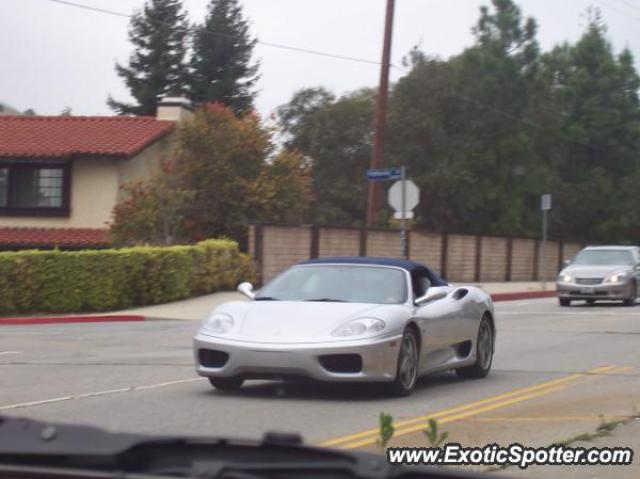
484	353
564	302
591	302
226	384
631	300
407	365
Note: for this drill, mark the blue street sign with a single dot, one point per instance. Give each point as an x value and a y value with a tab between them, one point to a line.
384	174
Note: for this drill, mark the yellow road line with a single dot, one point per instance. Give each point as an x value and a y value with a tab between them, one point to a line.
371	434
454	417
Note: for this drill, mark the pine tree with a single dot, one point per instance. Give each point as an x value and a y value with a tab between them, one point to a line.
221	67
157	68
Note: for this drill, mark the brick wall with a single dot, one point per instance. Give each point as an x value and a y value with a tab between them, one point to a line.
549	270
570	250
384	243
468	258
523	267
461	258
339	242
426	248
493	259
284	246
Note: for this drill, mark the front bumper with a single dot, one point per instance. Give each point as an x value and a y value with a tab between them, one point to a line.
251	360
605	291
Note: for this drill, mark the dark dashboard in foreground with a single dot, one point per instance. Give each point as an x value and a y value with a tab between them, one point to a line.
33	449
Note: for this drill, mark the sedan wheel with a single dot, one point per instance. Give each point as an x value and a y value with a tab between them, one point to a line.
484	353
407	369
632	295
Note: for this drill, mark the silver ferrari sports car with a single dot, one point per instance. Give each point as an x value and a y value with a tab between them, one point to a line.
349	319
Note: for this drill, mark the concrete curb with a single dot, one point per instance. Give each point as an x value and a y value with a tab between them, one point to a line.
68	319
496	297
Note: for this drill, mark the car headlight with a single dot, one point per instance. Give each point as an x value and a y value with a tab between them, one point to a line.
616	278
218	323
358	327
565	278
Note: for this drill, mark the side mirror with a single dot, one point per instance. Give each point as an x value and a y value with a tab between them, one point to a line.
247	290
433	293
566	262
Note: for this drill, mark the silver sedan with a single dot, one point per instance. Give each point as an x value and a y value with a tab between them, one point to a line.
349	319
601	273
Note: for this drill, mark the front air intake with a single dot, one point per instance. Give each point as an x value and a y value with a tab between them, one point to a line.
210	358
341	363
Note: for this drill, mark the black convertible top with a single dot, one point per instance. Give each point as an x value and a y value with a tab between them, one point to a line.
410	266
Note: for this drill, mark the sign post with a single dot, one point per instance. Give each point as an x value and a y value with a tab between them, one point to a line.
545	206
403	218
403	197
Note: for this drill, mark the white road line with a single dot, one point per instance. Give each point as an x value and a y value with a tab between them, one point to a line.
97	393
10	352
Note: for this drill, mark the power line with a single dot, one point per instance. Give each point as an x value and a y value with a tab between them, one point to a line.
225	35
618	11
630	5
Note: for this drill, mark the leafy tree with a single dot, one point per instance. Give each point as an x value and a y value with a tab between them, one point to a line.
157	68
220	156
596	95
486	132
335	135
282	192
224	172
221	68
153	211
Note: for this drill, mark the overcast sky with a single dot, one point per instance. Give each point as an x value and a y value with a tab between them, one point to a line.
53	56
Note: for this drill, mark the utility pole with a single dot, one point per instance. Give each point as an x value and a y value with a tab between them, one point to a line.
380	122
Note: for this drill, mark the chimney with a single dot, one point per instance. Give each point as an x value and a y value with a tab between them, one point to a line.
174	108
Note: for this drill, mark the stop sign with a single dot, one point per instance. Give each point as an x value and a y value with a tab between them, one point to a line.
412	196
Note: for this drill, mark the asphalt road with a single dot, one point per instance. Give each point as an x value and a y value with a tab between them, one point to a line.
139	377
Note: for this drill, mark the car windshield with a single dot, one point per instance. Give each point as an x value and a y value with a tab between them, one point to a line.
604	257
344	283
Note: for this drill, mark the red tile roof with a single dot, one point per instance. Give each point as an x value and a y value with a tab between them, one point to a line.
64	136
11	237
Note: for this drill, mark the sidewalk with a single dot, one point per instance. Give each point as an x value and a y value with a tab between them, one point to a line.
196	309
192	309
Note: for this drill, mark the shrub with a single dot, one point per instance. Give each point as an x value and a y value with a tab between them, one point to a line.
103	280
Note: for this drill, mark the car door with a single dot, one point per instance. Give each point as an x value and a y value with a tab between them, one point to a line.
438	322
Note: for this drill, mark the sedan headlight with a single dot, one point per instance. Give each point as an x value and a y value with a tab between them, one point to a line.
565	278
616	278
358	327
219	323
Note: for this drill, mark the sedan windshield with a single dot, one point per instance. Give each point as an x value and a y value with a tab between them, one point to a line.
353	284
604	257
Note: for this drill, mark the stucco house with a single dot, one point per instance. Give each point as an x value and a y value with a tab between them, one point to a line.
60	176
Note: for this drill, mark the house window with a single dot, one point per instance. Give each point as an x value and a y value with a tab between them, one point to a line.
4	180
34	190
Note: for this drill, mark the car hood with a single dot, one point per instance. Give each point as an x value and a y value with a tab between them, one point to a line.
591	271
294	321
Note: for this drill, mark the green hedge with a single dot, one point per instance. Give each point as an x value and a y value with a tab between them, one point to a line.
104	280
